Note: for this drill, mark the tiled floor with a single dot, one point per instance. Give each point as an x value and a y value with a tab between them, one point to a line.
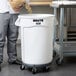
67	69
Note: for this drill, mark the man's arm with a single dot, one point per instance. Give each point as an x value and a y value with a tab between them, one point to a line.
16	4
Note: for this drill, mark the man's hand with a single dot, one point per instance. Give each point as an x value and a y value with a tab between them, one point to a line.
16	4
17	9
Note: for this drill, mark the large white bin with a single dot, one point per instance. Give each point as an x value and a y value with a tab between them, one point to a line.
37	33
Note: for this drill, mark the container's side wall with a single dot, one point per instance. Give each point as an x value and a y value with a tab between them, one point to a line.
37	10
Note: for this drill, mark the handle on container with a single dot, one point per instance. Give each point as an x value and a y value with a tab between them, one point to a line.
17	22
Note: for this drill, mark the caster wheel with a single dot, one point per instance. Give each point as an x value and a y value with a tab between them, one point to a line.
34	70
22	67
47	68
59	62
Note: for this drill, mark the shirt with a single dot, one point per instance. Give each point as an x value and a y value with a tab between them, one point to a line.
6	7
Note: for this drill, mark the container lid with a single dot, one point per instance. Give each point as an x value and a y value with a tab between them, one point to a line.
34	20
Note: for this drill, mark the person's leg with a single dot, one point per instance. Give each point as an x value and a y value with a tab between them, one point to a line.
4	18
12	36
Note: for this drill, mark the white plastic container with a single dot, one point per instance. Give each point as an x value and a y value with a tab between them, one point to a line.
37	33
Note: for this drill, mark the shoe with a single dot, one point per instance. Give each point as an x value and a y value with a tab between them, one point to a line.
0	67
17	62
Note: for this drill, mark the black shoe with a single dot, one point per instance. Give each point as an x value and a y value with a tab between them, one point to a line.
17	62
0	67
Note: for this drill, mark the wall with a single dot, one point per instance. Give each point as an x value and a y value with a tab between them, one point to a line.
39	9
71	18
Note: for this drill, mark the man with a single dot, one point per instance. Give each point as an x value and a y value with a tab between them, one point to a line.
8	29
